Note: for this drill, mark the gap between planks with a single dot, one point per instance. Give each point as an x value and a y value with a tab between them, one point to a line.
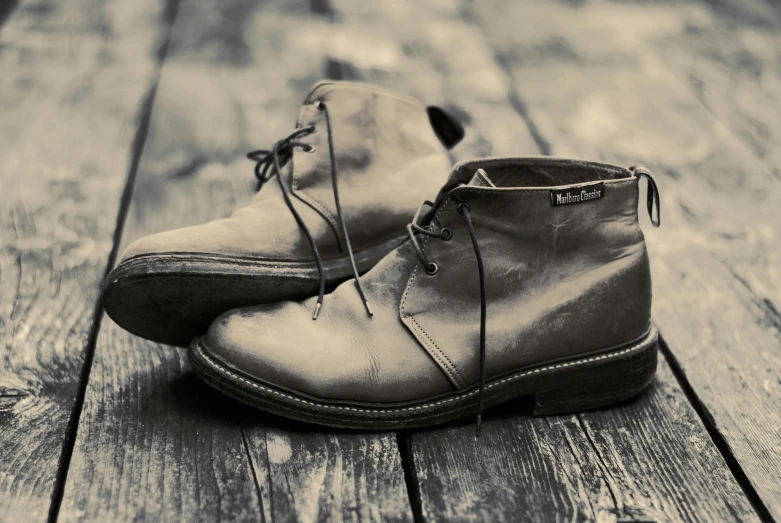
137	149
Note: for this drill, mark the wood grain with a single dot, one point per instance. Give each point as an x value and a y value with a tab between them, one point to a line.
75	77
732	64
154	442
309	474
601	466
596	88
649	460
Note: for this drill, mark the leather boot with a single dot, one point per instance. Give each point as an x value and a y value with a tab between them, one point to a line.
527	277
336	196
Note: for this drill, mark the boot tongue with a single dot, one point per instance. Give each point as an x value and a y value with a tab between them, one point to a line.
481	179
468	173
460	176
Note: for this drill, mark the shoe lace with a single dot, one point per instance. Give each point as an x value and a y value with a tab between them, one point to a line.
269	163
432	268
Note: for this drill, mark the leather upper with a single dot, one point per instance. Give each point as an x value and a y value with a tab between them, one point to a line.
561	281
388	158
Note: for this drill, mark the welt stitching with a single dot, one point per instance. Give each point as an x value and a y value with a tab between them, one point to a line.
443	365
415	270
646	341
228	259
412	102
321	206
503	190
314	201
533	161
460	381
455	369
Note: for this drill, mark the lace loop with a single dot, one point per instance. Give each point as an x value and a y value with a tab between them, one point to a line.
652	199
269	163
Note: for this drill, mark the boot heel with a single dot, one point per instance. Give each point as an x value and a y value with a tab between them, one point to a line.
598	381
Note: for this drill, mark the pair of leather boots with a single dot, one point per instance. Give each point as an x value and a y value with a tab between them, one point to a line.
523	277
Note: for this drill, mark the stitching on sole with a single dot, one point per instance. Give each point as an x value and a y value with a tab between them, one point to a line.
645	341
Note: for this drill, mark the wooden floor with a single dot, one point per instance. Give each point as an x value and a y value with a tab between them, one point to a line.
122	118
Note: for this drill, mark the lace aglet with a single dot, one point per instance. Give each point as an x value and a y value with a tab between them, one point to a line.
479	424
317	310
368	309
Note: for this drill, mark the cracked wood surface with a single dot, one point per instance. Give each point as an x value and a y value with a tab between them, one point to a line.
72	89
153	441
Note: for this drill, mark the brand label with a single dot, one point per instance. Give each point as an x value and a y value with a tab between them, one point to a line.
577	194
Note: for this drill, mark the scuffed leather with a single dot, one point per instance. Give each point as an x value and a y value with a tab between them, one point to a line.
560	282
344	354
388	158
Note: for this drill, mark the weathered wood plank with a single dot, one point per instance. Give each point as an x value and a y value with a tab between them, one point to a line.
154	442
403	55
595	87
732	63
651	459
313	474
75	76
610	465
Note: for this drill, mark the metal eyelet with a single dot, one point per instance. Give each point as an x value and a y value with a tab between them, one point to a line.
446	234
310	149
312	129
318	104
462	208
432	269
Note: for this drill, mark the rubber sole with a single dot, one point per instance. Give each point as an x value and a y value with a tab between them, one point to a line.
587	383
171	298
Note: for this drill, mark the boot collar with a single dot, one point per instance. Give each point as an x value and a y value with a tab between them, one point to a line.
517	173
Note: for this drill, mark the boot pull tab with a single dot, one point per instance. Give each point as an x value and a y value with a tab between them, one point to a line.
653	193
446	127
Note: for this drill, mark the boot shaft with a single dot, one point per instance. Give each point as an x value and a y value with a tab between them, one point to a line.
565	263
387	154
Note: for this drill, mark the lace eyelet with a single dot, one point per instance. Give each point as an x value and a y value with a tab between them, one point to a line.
446	234
310	149
312	129
432	269
462	208
318	104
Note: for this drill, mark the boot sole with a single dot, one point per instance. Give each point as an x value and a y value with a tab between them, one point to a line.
575	385
171	298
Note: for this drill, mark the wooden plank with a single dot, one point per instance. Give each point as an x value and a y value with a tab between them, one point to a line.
396	54
154	442
649	460
311	474
596	88
732	64
74	82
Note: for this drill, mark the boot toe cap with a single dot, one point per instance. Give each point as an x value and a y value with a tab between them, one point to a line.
154	244
278	344
274	344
